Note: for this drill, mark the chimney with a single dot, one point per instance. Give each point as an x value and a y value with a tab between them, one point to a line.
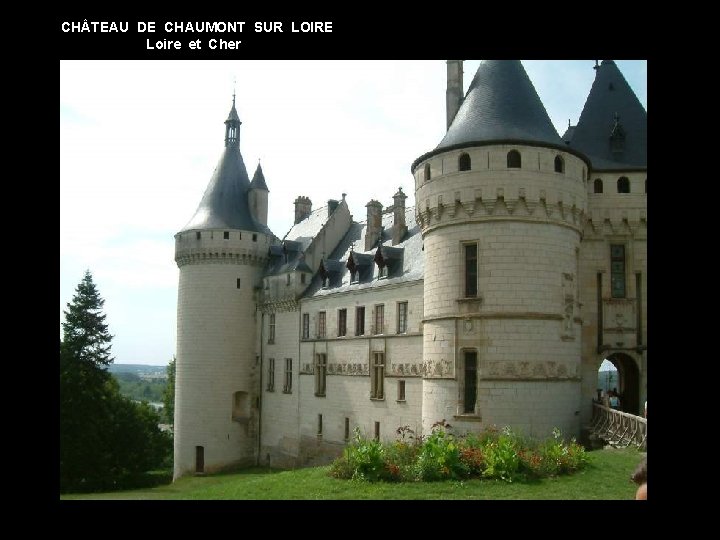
454	92
303	207
399	227
332	205
374	224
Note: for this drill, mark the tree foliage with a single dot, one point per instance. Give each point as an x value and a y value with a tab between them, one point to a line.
169	394
106	440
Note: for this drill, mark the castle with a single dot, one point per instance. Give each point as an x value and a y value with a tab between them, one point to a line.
492	301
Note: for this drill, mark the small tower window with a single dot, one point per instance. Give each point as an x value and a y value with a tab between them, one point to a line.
514	161
226	235
623	185
238	283
464	162
427	171
198	234
598	186
559	164
254	237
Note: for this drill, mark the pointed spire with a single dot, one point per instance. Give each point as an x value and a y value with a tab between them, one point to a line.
501	105
224	204
258	180
612	129
232	127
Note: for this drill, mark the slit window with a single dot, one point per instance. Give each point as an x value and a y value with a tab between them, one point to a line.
471	272
271	375
287	387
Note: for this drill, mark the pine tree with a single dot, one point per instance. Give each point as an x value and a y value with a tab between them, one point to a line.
85	334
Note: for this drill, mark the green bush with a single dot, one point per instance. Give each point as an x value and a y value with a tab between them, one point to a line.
491	454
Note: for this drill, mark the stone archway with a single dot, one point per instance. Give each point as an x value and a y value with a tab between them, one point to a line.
629	382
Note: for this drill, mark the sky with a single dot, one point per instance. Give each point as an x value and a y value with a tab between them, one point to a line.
139	141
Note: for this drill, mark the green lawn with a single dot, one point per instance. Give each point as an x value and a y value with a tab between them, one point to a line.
607	477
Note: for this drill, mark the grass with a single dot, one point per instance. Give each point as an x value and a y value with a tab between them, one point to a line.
607	477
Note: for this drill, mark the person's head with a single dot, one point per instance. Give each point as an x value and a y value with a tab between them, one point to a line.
639	476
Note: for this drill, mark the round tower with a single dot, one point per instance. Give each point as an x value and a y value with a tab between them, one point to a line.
220	253
501	201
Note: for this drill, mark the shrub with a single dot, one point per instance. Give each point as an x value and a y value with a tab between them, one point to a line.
439	456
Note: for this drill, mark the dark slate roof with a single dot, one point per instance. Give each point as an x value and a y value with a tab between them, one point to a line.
258	180
568	135
286	257
224	204
610	95
405	260
501	104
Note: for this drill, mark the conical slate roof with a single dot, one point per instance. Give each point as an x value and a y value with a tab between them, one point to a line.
612	101
258	181
501	105
224	204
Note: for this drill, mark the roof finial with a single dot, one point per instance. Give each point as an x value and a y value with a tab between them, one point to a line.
234	81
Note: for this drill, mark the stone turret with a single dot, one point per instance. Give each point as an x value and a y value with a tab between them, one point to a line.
220	253
258	196
501	226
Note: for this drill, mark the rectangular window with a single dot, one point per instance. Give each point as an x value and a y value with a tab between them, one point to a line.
226	235
347	428
342	322
271	332
360	321
402	317
377	376
319	424
287	387
271	375
617	270
320	374
470	270
379	319
306	326
470	392
197	235
288	280
321	324
238	283
254	237
401	391
377	431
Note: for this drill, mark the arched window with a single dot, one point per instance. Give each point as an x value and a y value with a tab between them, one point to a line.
623	184
427	171
598	185
514	160
559	164
464	162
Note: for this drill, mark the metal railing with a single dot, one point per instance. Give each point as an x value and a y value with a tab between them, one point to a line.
618	428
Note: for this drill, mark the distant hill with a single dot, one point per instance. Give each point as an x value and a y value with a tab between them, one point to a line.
144	371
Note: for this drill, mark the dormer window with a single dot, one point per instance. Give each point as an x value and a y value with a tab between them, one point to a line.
354	273
381	264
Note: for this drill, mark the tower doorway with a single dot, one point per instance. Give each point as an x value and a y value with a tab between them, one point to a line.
628	382
199	459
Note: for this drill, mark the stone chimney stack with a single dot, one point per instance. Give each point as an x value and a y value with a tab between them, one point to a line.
454	92
374	223
399	226
303	207
332	205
